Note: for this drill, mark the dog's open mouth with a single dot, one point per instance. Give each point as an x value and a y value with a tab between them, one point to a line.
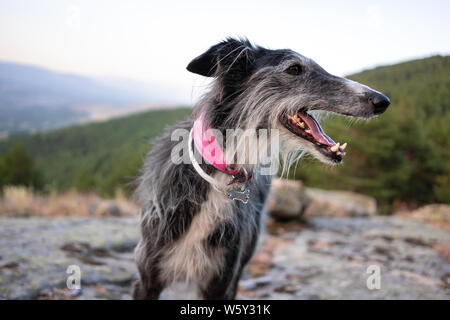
306	127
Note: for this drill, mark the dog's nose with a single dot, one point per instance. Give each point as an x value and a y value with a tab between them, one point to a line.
380	102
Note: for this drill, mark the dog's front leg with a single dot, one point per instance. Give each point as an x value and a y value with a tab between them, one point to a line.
223	286
150	284
143	292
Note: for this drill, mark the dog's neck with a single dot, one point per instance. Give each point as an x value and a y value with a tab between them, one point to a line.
210	150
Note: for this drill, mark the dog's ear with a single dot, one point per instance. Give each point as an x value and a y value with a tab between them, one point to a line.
228	55
205	64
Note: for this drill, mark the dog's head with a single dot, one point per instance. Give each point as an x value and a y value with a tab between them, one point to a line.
261	88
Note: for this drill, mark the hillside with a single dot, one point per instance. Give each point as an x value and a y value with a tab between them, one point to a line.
35	99
400	158
97	155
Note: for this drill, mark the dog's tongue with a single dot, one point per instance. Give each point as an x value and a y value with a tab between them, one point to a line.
316	130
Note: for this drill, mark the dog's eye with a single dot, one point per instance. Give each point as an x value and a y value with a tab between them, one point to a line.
294	70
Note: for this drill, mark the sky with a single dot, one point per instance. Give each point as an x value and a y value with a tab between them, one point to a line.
151	42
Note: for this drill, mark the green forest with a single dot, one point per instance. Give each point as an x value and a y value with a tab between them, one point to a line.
97	157
401	158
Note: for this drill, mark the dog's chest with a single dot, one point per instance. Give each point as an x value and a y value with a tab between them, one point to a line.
188	258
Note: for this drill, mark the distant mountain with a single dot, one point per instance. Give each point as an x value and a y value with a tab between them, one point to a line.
35	99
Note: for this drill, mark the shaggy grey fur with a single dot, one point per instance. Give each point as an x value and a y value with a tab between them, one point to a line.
190	231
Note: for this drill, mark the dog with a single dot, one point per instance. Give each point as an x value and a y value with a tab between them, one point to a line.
194	232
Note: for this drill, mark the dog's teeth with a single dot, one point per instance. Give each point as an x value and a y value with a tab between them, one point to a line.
301	124
335	147
344	146
308	131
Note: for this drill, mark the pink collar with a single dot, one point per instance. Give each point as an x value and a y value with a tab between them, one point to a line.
209	148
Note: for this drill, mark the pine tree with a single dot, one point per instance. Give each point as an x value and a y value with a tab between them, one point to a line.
17	168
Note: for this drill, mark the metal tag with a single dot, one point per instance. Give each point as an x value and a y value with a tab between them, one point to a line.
242	195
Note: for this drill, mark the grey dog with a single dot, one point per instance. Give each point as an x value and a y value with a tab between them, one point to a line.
192	232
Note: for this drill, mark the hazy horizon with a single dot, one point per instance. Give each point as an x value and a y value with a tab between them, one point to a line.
116	81
149	44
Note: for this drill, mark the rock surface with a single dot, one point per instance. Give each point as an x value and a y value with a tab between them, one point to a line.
329	260
325	259
435	214
36	252
287	199
324	203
